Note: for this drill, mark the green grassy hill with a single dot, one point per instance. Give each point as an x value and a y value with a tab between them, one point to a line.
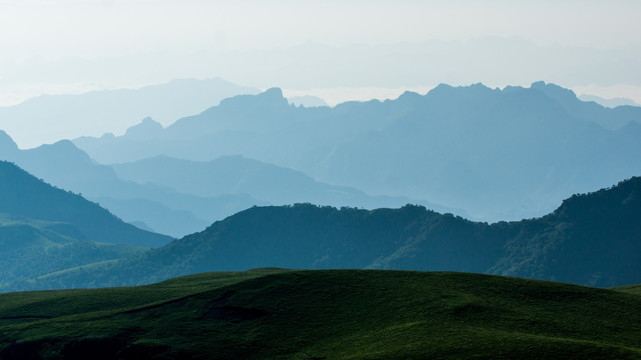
633	289
327	314
32	248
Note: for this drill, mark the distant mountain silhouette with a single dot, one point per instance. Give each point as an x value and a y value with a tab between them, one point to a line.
7	146
110	111
147	129
610	102
592	239
22	194
608	118
306	101
230	175
160	208
498	154
264	127
179	197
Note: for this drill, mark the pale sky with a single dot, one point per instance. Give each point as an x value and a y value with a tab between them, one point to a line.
71	46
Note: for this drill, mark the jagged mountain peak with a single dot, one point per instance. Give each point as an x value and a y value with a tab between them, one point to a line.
273	96
554	91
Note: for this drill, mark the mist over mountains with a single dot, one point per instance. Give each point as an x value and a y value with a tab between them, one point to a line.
44	229
178	197
320	180
50	118
486	154
25	195
610	102
153	207
591	239
497	154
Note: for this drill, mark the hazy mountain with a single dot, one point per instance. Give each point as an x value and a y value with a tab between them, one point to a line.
179	197
160	208
611	102
590	239
498	154
8	147
22	194
54	117
612	119
238	175
263	127
306	101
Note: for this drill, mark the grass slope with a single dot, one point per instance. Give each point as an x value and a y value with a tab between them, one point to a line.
32	248
632	289
328	314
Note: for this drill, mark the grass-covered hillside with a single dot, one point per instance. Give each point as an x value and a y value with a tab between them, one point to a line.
32	248
336	314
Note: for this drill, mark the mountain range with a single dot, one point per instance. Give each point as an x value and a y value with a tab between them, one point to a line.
151	207
610	102
50	118
231	175
591	239
499	154
24	195
178	197
496	154
45	229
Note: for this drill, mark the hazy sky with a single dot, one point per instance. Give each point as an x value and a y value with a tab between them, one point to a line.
330	47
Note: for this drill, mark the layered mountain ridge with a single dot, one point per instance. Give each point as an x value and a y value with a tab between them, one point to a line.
591	239
179	197
497	154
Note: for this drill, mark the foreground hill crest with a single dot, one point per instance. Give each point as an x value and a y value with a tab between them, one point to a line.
336	314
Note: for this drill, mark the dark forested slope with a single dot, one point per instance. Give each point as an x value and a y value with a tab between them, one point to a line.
592	239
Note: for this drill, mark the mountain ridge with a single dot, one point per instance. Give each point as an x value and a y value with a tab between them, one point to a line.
23	194
463	147
236	174
110	111
178	197
574	244
161	208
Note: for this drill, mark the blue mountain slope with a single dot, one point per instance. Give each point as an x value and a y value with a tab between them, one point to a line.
231	175
51	118
22	194
497	154
161	208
